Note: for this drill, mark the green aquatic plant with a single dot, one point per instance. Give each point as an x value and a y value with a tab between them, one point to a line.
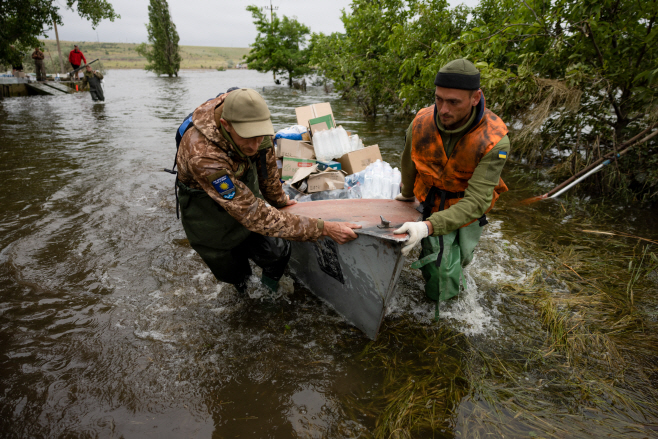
574	356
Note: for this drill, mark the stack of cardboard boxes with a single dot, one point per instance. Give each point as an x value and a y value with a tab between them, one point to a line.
297	161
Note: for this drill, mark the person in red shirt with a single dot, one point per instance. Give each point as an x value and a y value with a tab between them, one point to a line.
75	56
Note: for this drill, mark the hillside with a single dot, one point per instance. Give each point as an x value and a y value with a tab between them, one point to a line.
123	55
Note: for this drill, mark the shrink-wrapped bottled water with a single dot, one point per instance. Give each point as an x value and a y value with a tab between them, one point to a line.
379	181
321	145
395	186
344	140
334	143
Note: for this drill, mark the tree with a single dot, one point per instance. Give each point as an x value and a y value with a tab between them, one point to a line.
279	46
163	55
22	22
573	78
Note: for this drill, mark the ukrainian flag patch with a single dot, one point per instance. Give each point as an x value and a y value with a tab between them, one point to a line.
502	154
224	187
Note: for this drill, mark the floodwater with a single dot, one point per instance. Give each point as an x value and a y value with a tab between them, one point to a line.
112	327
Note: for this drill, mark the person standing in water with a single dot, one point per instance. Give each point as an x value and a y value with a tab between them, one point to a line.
454	153
230	193
39	67
93	78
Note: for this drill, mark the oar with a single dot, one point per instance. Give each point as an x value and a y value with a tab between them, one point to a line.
594	167
82	67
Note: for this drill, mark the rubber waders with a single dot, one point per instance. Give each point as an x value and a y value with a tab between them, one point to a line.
213	232
443	282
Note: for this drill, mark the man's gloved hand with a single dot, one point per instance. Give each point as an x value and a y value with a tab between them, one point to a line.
401	197
416	230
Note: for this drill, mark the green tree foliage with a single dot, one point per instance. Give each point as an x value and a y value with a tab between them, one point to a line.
162	55
279	46
574	78
22	22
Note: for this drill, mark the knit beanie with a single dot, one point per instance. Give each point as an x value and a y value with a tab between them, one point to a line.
460	73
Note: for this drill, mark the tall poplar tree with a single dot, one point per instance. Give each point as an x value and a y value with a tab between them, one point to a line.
162	54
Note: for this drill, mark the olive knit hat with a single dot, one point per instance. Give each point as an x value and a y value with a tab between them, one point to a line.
460	73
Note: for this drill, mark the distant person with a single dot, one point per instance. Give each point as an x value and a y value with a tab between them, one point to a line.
230	193
455	151
93	78
16	61
76	57
39	66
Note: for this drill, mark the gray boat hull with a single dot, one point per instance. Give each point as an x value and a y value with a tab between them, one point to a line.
357	279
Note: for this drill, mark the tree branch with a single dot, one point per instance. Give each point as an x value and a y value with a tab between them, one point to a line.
590	34
501	30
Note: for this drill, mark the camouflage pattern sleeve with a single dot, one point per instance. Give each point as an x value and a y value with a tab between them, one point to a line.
250	211
271	188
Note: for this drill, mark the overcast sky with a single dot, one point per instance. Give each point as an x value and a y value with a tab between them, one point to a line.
219	23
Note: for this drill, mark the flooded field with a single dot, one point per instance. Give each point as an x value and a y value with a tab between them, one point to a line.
112	327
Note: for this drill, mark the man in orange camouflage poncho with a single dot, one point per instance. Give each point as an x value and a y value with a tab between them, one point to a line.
230	192
454	154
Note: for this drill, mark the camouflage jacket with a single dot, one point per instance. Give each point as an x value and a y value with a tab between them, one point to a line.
204	152
38	55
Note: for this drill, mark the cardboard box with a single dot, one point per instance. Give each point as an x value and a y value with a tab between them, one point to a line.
279	167
322	126
291	165
359	160
328	164
295	149
326	181
328	120
311	180
304	114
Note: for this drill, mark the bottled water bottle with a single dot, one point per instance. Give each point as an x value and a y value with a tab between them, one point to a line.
366	192
324	142
397	179
378	180
387	181
344	140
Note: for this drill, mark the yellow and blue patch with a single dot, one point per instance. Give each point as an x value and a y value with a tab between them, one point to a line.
502	154
224	187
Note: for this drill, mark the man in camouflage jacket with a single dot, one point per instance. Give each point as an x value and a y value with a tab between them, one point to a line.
230	192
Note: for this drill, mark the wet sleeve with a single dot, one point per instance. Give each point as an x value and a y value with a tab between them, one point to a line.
478	194
271	188
407	166
246	208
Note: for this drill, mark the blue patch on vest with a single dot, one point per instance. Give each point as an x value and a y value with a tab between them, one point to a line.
224	187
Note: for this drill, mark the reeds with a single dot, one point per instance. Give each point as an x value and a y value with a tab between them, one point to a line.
576	356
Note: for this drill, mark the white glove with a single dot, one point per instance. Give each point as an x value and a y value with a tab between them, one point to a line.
401	197
416	230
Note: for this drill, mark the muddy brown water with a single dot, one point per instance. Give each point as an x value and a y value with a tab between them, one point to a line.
111	326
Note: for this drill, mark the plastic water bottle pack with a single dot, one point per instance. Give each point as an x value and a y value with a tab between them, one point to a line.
379	181
334	143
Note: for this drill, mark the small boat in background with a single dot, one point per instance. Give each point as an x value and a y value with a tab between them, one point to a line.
358	278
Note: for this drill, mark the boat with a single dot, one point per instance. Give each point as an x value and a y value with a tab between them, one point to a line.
357	279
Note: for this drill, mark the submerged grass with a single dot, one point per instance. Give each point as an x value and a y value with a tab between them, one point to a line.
576	354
